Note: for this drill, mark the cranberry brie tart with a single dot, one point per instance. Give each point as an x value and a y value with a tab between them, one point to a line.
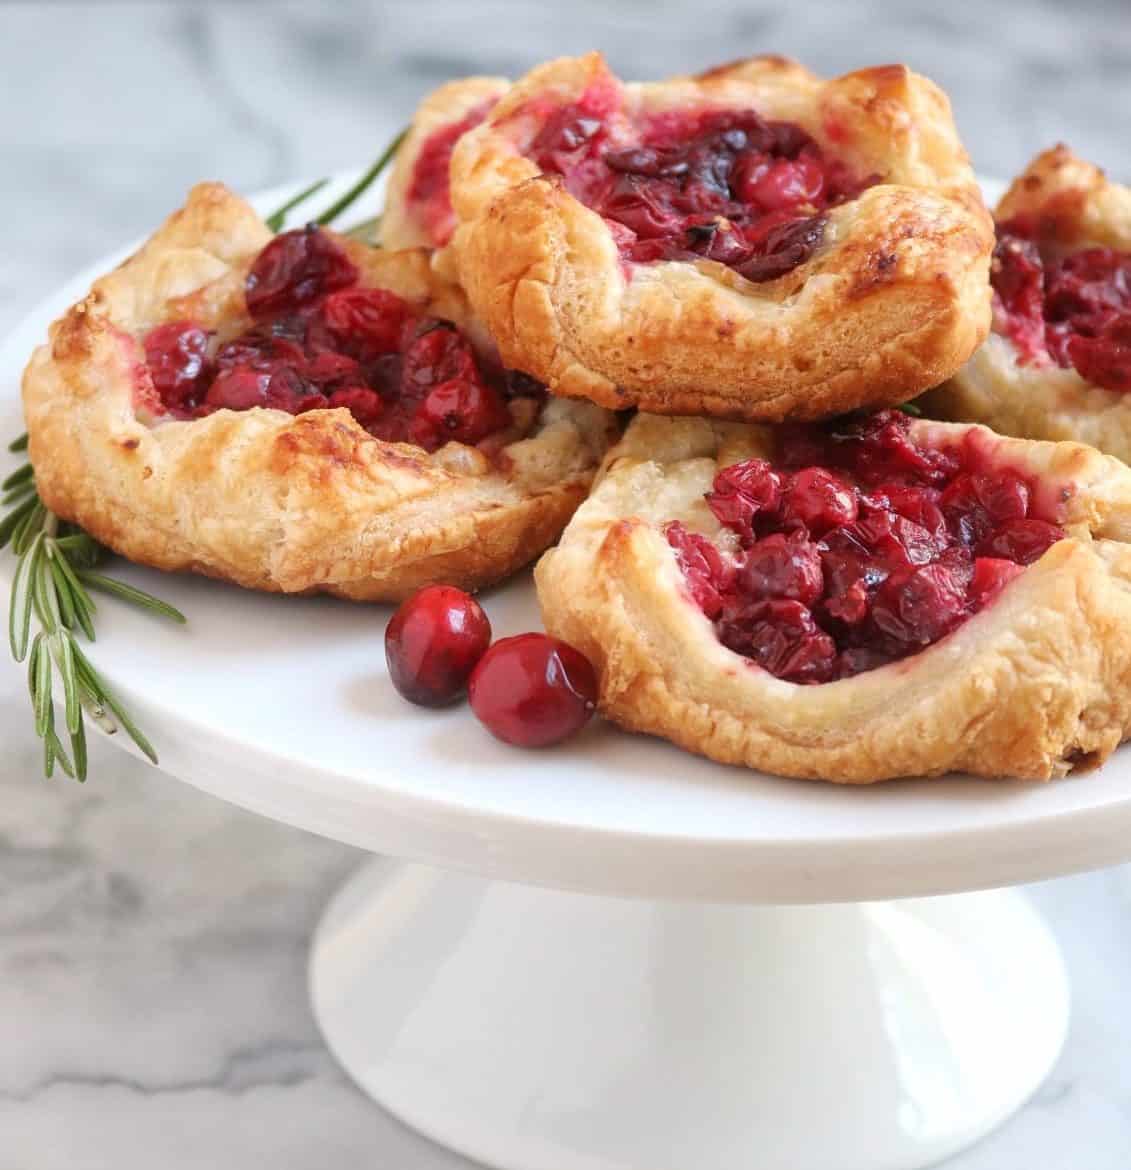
751	243
1058	362
298	413
855	601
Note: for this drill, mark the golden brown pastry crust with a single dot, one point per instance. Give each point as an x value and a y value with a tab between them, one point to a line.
401	226
1075	206
1035	684
893	301
260	497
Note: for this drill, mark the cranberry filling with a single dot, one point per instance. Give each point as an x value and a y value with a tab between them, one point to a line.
320	340
429	189
1074	310
860	547
721	185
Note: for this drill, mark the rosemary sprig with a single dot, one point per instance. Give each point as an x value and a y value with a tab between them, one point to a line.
277	219
54	576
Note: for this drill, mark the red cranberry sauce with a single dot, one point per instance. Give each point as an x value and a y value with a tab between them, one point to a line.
428	190
859	547
1074	309
320	340
723	185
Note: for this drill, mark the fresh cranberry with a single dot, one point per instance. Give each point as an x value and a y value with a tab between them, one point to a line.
365	322
533	690
818	500
740	492
295	269
437	354
781	637
177	356
919	605
774	186
464	410
783	566
433	642
865	547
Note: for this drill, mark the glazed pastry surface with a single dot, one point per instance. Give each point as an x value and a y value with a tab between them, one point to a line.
1031	686
264	498
861	296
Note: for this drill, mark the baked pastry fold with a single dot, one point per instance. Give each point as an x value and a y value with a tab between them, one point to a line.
266	499
1036	683
861	296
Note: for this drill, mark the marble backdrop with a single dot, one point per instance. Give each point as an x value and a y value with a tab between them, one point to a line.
152	940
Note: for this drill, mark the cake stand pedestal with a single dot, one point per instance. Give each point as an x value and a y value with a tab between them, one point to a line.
538	1030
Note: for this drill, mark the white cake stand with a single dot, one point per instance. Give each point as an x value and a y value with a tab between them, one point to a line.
614	955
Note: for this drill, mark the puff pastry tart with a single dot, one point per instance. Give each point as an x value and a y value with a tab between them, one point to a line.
752	243
855	601
297	413
1058	362
418	205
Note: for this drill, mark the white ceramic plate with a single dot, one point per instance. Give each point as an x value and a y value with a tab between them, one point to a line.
283	706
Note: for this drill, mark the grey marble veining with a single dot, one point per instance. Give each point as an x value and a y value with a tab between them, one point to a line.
153	1007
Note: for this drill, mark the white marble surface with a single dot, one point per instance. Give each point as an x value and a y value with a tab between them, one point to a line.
152	940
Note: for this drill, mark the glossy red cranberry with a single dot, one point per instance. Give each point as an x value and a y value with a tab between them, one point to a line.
177	356
919	605
533	690
818	500
742	491
781	637
365	405
365	322
438	353
294	270
990	577
433	642
776	185
463	410
783	566
1104	360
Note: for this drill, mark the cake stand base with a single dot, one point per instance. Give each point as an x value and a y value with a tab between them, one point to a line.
534	1029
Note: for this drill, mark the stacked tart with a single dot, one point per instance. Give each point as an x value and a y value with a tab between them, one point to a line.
666	327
